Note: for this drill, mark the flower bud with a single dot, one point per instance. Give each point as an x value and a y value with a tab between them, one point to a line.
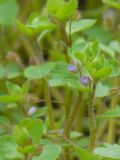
32	110
85	80
72	68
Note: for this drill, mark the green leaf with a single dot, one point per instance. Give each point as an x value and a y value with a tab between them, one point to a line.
102	73
10	98
13	88
107	50
113	113
99	33
50	152
67	9
54	5
4	120
35	128
62	77
2	71
8	10
28	149
115	68
38	72
61	9
8	149
109	151
21	136
80	25
95	47
25	88
115	45
38	25
22	28
86	155
112	3
75	135
39	113
101	90
13	71
76	52
71	83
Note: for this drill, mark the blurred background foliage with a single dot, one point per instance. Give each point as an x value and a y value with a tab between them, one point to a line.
18	50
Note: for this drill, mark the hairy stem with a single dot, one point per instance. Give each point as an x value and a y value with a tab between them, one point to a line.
68	101
92	120
49	105
72	115
111	129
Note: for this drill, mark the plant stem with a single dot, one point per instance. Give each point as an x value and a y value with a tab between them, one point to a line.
111	129
67	40
68	101
92	120
72	115
49	105
79	122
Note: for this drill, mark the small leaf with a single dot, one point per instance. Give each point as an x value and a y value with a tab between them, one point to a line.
115	45
13	88
4	120
101	90
112	3
21	135
53	5
109	151
35	129
13	71
8	149
28	149
107	50
38	72
86	155
102	73
40	25
50	152
99	33
2	71
39	113
61	9
115	68
22	28
113	113
71	83
10	98
67	9
8	10
25	88
80	25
